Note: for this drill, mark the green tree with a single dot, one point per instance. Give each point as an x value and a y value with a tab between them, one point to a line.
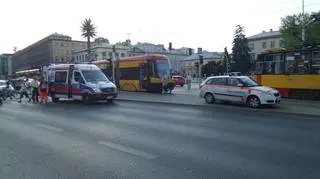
240	51
215	68
88	31
126	43
291	28
208	68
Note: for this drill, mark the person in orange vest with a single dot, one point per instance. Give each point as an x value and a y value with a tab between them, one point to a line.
43	87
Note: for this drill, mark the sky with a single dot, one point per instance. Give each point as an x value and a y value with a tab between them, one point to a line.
209	24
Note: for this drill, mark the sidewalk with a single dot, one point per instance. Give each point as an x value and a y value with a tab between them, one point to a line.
287	106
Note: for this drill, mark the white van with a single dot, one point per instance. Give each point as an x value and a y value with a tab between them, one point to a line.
85	82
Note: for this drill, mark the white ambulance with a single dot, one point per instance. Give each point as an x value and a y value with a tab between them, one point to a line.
85	82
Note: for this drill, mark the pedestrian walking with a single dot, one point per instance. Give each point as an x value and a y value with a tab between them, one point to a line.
188	81
164	83
43	91
24	90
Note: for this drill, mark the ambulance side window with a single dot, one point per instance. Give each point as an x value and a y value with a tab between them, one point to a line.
61	76
78	77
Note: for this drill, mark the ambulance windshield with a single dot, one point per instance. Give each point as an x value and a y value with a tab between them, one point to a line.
94	76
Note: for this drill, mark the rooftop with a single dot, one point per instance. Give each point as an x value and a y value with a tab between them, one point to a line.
264	35
206	55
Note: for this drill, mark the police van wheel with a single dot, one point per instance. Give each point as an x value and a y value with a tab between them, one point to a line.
86	99
209	98
253	102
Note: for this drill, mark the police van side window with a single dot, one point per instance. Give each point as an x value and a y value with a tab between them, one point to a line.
209	82
233	82
219	81
61	76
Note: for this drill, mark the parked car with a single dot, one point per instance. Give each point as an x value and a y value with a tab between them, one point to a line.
3	84
238	89
178	80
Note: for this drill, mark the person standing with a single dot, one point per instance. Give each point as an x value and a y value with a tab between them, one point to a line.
43	91
164	83
34	90
24	90
188	81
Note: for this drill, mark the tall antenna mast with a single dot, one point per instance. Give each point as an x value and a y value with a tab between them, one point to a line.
128	35
303	32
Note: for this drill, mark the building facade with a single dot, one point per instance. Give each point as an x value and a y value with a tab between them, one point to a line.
101	49
5	66
264	41
175	56
190	62
55	48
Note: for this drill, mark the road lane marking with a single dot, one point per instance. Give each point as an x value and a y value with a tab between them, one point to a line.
6	116
128	150
52	128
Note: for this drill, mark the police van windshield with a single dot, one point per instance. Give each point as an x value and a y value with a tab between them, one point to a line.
94	76
248	82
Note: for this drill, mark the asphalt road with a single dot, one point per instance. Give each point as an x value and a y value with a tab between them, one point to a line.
137	140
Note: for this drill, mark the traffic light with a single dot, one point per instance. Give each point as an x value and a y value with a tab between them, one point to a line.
190	51
201	59
110	62
113	48
170	46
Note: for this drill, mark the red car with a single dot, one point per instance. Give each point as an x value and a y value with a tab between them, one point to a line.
178	80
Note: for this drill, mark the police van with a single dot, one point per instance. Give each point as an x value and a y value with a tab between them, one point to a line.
85	82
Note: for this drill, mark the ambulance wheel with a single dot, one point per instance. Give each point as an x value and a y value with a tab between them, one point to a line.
53	97
86	99
110	100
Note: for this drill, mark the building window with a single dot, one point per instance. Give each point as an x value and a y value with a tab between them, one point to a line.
282	43
61	44
251	46
252	57
117	55
264	45
316	62
104	54
122	55
272	44
110	54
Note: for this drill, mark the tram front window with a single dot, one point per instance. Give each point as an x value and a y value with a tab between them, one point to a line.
162	68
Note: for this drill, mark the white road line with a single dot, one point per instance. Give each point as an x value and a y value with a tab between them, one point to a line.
52	128
6	116
128	150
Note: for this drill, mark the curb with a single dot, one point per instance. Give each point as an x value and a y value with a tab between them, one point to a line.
274	110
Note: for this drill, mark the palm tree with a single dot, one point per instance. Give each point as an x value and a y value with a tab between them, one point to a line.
88	31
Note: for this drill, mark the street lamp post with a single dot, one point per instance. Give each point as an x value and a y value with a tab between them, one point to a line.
114	58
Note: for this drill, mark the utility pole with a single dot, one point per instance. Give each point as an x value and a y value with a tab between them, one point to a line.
303	32
200	62
128	35
113	66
